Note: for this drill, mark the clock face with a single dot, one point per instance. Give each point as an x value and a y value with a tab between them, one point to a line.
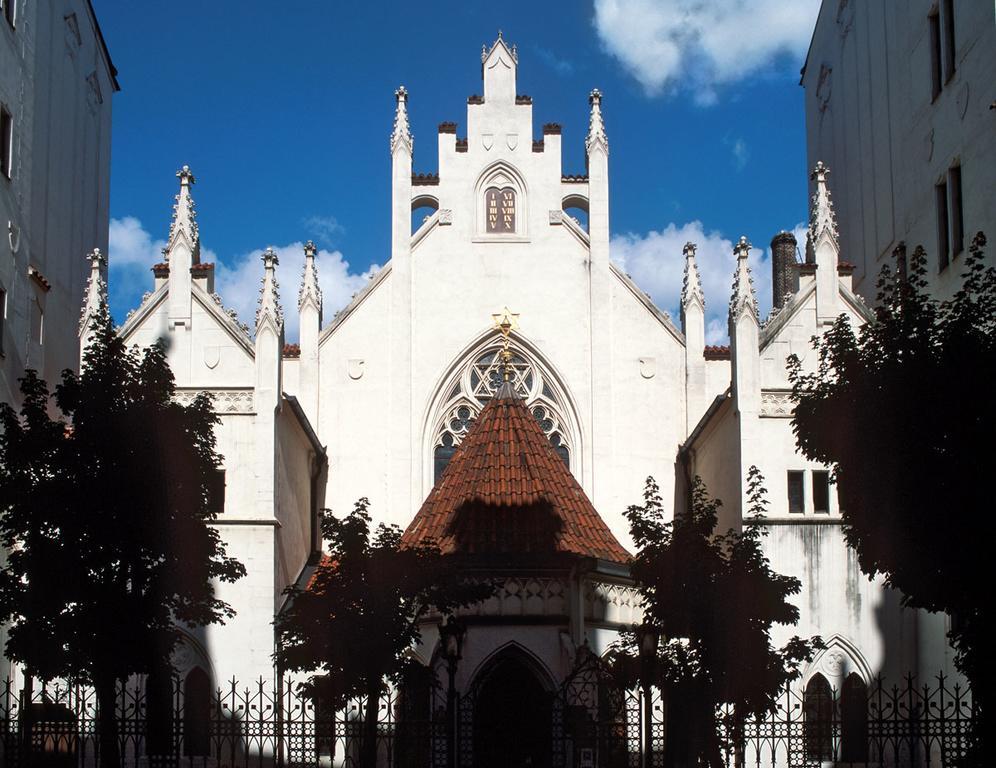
500	209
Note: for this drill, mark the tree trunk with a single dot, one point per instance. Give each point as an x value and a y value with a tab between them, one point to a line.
107	722
368	751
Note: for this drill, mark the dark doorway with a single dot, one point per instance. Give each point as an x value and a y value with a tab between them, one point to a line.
512	718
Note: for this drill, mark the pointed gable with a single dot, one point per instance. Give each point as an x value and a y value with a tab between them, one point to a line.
507	491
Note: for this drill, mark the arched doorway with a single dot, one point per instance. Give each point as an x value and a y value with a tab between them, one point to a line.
513	725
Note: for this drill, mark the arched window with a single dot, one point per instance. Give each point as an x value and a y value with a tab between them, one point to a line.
818	714
197	714
854	720
423	207
478	383
501	203
576	206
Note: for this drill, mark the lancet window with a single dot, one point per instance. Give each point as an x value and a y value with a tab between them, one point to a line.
478	383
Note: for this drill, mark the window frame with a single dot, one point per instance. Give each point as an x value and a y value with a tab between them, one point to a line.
800	475
820	479
943	217
948	36
6	142
956	214
936	55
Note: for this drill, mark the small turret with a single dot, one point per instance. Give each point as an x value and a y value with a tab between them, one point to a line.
183	251
744	335
309	305
744	298
824	247
268	308
693	326
401	135
596	126
498	65
95	298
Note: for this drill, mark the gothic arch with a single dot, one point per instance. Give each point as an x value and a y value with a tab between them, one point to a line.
501	175
513	651
460	394
839	659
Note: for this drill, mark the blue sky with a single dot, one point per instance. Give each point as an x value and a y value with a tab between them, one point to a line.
283	111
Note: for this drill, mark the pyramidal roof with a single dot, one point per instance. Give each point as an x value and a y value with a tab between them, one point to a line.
506	491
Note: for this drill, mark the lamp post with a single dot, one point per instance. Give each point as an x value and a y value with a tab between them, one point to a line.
451	639
648	638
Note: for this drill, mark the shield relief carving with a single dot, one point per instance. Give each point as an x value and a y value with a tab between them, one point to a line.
512	139
648	367
212	355
355	368
488	140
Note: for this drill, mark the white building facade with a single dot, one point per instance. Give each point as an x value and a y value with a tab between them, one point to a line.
56	86
376	402
900	104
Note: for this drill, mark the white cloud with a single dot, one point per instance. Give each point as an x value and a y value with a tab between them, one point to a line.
560	66
325	228
740	154
655	262
700	45
133	252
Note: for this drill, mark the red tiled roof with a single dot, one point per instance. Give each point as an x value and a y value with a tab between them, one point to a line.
716	353
507	491
292	350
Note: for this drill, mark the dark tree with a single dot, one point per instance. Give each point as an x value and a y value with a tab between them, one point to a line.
713	598
105	515
901	410
352	626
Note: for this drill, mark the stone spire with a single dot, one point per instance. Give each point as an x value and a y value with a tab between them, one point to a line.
596	127
691	287
96	290
401	136
309	291
184	223
822	219
269	294
744	298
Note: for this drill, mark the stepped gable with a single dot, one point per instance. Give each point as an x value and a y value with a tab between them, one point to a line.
506	491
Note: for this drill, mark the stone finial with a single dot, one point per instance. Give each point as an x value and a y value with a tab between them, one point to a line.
310	290
96	289
401	136
184	221
822	219
691	286
596	126
269	292
744	297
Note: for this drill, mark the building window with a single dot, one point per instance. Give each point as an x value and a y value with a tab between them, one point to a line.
949	39
941	203
821	491
217	490
955	212
8	10
818	713
854	720
3	318
796	492
936	77
6	142
478	383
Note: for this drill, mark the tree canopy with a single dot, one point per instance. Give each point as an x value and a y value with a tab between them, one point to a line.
713	599
899	409
353	625
105	514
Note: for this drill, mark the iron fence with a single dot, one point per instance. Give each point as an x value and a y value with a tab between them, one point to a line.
590	724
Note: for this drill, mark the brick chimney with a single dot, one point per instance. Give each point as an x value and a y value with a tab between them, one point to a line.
784	272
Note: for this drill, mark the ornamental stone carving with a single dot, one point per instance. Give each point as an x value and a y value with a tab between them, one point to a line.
777	404
226	401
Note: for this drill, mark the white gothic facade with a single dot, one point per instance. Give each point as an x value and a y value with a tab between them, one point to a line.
375	401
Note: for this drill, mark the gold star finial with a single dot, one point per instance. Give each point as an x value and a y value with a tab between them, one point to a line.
506	321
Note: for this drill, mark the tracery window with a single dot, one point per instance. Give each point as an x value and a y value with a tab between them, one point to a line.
478	384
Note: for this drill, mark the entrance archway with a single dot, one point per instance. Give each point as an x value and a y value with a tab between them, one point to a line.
513	724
